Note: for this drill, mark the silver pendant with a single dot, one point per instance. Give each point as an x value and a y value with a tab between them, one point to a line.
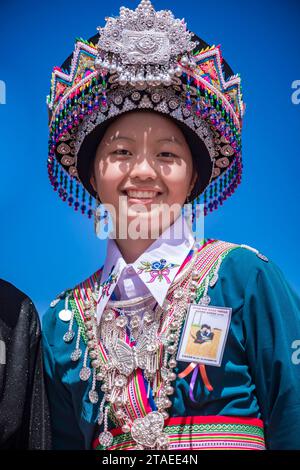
106	439
65	315
93	396
57	299
76	354
54	302
85	373
205	300
146	431
69	336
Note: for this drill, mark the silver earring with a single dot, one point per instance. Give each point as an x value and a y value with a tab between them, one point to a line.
101	216
97	216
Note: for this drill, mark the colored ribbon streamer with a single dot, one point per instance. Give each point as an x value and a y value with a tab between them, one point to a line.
195	368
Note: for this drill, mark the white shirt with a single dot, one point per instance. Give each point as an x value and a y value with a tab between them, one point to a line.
154	271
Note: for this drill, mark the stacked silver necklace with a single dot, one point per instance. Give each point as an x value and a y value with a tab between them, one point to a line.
153	338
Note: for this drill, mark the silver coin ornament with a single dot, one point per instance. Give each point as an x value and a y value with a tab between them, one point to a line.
205	300
85	373
65	315
69	336
93	396
106	439
76	354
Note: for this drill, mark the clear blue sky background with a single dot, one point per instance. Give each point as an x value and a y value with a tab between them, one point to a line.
46	246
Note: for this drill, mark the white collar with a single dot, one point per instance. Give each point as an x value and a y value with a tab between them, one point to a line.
156	267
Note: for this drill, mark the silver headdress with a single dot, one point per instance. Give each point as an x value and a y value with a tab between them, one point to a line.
144	46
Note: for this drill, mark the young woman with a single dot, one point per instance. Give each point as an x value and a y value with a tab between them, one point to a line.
147	120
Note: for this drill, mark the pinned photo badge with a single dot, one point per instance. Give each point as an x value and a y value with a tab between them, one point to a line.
205	334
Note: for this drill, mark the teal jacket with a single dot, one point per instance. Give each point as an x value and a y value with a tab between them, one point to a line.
259	375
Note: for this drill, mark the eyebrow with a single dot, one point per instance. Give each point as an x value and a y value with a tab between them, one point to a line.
117	137
172	140
166	139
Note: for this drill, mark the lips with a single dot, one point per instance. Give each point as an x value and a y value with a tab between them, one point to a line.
141	194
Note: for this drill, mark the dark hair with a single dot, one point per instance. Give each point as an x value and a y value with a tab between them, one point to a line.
205	326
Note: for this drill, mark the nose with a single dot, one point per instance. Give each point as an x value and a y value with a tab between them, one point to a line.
143	168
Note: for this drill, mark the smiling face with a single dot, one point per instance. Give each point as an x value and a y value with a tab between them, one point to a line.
144	157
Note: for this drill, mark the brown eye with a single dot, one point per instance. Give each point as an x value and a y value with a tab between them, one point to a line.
167	154
122	152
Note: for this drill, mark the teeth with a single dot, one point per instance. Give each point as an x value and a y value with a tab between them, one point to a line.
141	194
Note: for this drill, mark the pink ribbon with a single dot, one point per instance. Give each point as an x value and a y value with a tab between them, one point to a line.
161	272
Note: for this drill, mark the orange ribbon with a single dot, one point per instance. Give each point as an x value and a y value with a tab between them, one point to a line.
202	371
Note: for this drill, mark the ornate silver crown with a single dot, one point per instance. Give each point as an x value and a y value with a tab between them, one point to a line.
144	46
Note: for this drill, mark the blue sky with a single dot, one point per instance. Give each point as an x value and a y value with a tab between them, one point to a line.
46	246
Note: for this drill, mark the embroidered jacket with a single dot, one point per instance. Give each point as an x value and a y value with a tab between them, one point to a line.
259	377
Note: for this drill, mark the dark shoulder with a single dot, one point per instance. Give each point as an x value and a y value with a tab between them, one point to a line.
11	301
10	293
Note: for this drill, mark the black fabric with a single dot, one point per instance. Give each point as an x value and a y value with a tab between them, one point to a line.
24	414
